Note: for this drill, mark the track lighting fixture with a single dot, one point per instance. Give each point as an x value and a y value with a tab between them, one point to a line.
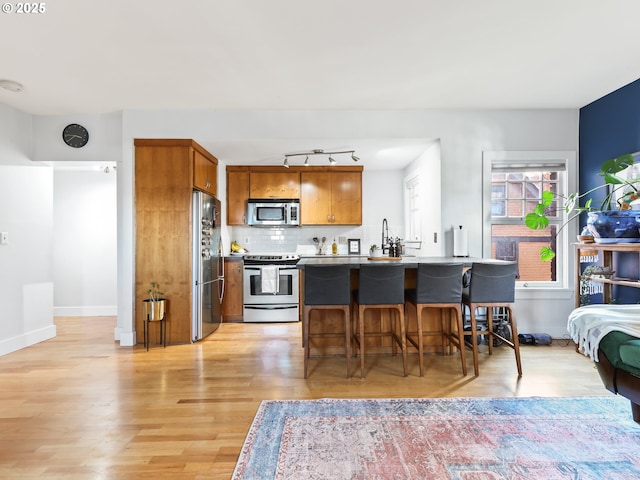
332	161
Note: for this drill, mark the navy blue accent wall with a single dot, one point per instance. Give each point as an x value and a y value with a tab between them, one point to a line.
610	126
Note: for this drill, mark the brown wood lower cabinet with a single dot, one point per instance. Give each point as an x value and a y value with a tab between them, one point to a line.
232	300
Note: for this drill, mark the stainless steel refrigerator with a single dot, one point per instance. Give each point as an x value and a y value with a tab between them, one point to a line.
208	266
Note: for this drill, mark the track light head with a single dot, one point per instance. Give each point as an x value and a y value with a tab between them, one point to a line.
319	151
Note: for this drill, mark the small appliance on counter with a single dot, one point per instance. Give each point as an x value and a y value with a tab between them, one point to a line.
270	212
460	242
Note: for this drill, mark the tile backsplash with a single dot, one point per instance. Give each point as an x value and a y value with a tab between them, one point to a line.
281	240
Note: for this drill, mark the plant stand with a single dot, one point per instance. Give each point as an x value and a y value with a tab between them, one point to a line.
155	311
163	330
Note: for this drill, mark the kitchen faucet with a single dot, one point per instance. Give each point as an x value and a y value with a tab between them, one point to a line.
385	234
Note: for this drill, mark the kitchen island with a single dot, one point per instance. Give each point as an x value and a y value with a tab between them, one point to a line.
330	321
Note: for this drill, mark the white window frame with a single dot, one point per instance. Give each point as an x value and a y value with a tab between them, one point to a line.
413	213
535	160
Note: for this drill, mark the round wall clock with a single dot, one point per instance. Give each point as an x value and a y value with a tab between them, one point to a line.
75	135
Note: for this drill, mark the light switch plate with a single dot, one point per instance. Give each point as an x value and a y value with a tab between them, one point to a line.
4	238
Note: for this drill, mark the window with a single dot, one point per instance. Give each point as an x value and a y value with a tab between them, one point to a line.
412	197
515	182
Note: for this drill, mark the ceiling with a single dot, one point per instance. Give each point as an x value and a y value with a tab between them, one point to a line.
82	57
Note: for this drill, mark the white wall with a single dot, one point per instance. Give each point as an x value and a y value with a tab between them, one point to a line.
84	241
15	137
26	283
463	137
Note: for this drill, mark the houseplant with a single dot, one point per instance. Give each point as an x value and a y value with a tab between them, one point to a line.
612	222
155	305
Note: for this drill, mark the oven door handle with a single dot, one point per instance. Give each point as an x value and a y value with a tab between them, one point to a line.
270	307
280	267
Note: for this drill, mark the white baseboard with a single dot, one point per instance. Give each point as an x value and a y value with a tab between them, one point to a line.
27	339
126	339
85	311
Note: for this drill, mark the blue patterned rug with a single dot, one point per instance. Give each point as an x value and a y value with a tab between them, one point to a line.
459	438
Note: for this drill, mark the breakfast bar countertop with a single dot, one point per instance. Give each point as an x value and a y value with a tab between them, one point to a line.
409	262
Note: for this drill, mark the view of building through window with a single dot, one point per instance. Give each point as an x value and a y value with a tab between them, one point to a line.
513	195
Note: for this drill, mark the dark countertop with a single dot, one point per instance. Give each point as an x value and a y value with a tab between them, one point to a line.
408	262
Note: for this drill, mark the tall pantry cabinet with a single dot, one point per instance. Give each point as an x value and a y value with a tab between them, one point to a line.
166	172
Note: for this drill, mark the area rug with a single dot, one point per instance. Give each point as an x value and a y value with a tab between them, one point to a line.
463	438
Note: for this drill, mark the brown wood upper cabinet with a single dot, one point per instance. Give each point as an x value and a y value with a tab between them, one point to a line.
274	185
328	195
331	198
205	172
237	196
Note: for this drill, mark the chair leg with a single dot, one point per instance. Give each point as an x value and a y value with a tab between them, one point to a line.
347	339
361	311
460	329
474	340
516	342
490	329
419	310
305	337
403	338
445	327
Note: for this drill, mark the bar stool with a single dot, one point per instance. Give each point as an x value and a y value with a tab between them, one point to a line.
492	285
326	288
438	286
380	287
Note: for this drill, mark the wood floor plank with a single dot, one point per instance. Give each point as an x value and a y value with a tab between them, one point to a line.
79	406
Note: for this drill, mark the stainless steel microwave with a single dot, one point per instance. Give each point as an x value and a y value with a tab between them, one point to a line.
270	212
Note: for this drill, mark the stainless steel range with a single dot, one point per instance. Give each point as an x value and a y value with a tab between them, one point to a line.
270	291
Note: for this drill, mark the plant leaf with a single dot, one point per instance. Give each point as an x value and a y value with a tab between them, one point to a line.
572	201
535	221
547	198
547	254
615	165
612	179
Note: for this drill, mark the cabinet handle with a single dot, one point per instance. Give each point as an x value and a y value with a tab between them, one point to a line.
328	218
333	219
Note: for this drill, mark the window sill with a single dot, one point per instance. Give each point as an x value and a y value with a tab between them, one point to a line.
551	293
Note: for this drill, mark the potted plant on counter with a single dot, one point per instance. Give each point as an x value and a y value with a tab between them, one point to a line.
155	305
614	222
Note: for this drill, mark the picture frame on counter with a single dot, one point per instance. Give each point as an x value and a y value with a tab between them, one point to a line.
354	246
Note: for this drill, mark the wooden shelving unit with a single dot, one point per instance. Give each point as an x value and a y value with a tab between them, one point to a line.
605	251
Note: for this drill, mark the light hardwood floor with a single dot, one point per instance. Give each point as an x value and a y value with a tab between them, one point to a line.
81	407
